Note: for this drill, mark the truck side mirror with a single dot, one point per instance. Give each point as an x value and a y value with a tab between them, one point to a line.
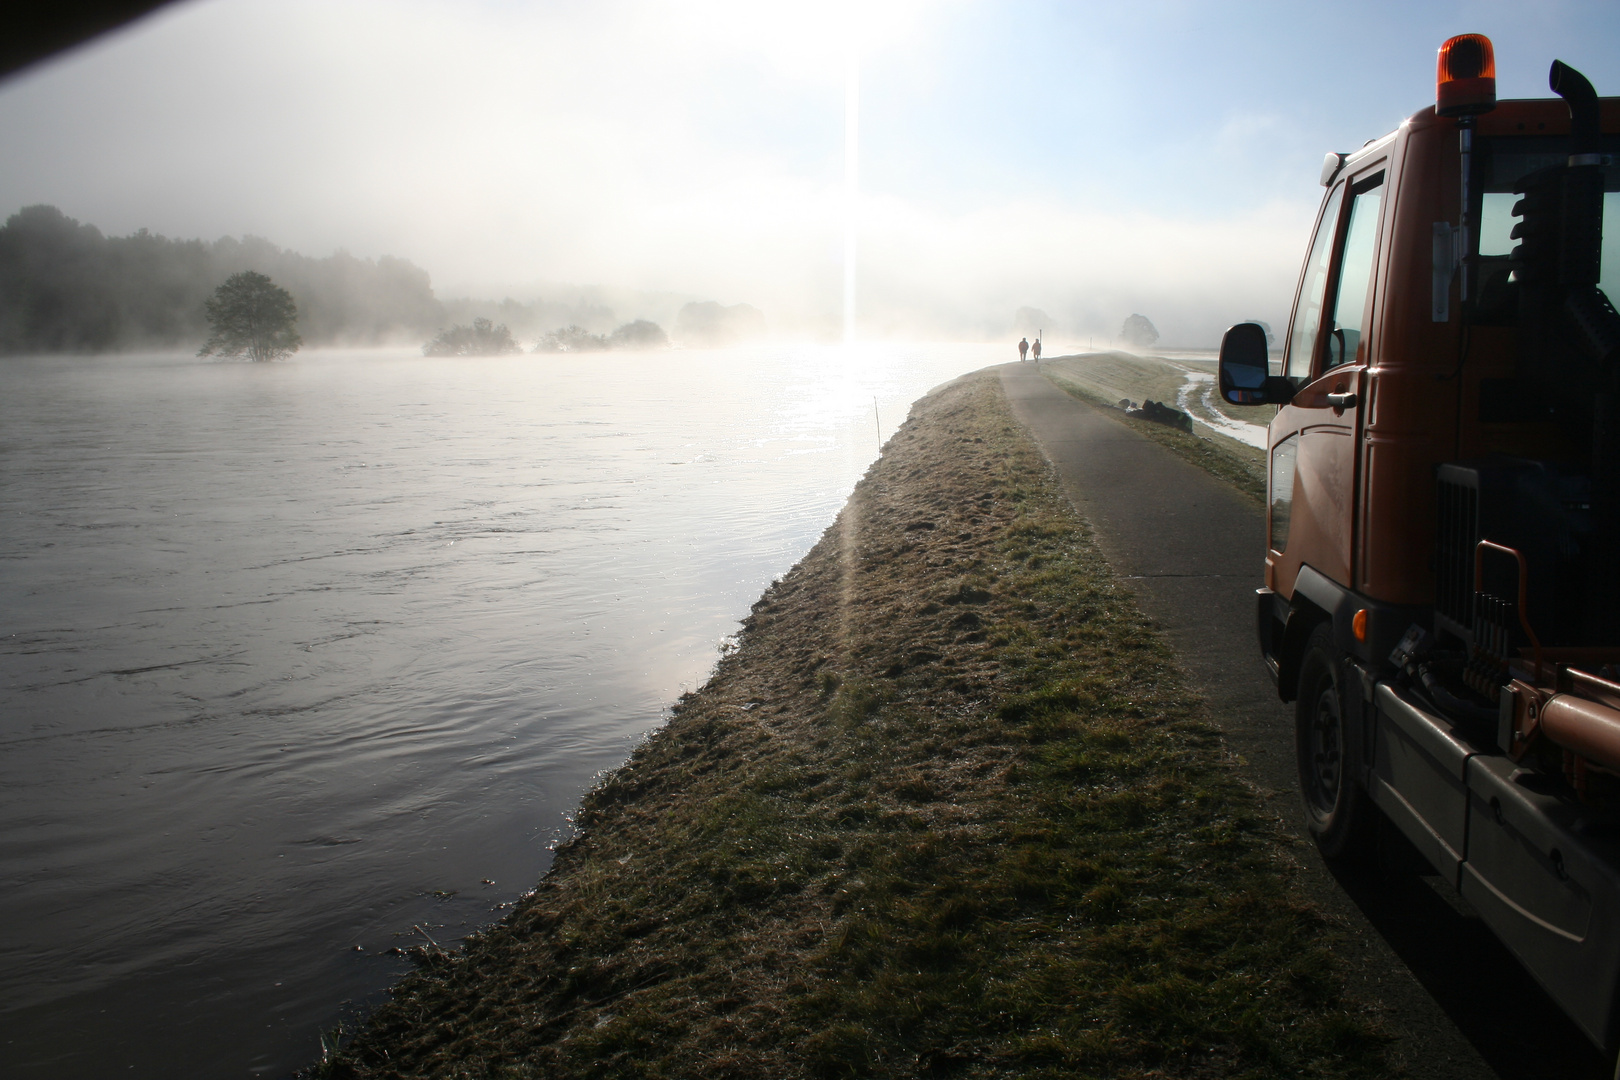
1245	369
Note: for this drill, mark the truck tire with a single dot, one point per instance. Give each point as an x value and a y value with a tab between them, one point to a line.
1337	811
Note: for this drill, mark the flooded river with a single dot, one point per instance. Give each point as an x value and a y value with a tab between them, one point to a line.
300	662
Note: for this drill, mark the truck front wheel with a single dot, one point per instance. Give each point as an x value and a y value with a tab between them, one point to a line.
1336	808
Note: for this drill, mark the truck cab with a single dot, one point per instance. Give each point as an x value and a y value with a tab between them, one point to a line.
1441	594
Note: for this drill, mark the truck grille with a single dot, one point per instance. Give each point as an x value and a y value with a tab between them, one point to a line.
1534	507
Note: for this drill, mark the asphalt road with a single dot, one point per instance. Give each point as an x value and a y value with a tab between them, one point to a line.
1455	1002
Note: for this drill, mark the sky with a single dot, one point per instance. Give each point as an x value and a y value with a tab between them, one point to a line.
1091	160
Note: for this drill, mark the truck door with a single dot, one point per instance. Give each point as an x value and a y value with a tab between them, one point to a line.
1314	437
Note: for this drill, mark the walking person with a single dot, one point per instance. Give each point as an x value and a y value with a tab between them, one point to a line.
1035	349
1023	349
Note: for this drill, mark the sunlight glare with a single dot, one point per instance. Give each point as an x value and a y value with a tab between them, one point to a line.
852	188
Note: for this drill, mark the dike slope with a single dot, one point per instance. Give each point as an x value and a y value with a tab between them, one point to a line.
947	810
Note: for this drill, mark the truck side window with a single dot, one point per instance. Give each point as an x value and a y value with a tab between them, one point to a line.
1355	273
1312	291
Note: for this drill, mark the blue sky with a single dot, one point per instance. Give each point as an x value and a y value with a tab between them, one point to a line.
1131	99
1090	159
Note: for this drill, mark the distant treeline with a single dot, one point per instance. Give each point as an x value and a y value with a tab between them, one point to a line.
534	320
713	325
67	288
64	287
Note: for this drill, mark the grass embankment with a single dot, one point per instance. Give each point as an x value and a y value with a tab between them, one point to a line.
1104	378
947	810
1115	375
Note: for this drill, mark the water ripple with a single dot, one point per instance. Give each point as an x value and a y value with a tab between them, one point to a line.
294	658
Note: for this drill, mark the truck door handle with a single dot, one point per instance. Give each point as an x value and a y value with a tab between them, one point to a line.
1342	401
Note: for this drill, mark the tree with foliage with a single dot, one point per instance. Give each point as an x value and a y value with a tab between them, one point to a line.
251	316
66	288
571	339
1031	321
710	325
641	334
482	338
1138	331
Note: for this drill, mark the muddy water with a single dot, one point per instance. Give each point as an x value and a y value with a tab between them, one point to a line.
300	663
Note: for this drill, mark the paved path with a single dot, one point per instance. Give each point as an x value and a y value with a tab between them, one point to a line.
1190	547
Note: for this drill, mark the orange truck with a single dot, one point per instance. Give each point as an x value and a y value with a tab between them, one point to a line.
1442	569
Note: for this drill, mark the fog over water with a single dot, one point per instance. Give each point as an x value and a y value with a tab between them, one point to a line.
1091	160
297	657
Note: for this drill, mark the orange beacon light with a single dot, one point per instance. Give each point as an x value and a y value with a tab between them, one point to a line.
1465	77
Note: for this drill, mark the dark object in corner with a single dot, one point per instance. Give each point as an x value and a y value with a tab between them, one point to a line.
36	31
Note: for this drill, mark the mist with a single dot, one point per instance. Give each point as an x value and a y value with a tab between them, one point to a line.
634	156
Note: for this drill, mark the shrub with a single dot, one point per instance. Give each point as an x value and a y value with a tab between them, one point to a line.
482	338
571	339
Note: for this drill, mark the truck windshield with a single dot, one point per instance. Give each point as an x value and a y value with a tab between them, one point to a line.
1506	161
